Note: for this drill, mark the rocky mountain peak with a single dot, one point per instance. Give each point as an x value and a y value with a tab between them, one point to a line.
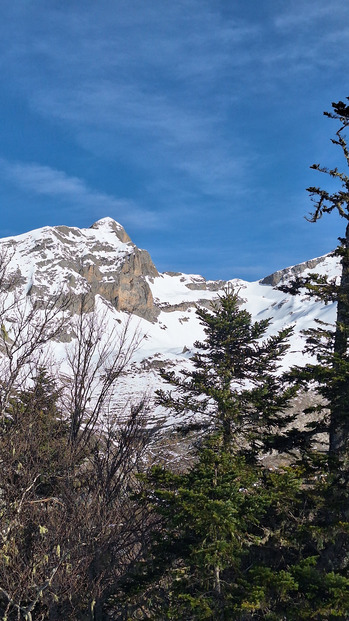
100	260
109	224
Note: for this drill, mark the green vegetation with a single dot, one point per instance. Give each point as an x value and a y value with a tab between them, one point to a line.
233	386
236	539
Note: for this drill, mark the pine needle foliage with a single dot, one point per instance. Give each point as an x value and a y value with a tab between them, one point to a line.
235	386
330	373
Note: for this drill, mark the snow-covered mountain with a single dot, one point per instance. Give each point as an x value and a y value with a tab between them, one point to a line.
122	281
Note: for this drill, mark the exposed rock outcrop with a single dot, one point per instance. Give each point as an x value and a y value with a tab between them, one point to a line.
184	306
275	278
130	291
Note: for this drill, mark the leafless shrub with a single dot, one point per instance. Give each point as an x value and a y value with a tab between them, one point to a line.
96	359
69	529
26	331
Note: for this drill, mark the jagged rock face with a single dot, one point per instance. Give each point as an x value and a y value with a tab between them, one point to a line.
126	288
133	293
101	261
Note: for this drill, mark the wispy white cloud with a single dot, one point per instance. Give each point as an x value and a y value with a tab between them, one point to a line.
153	133
302	15
156	85
144	84
195	105
75	193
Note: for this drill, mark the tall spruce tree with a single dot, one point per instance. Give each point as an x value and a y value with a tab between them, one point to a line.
327	475
330	347
326	202
235	387
227	504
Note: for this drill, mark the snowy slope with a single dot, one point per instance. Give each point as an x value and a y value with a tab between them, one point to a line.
103	263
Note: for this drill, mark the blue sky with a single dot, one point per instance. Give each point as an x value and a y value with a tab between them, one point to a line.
193	123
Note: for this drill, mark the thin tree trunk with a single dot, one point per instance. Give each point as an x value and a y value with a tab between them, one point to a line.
339	422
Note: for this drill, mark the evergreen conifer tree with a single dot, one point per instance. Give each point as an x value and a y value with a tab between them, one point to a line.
331	372
234	387
218	516
326	202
